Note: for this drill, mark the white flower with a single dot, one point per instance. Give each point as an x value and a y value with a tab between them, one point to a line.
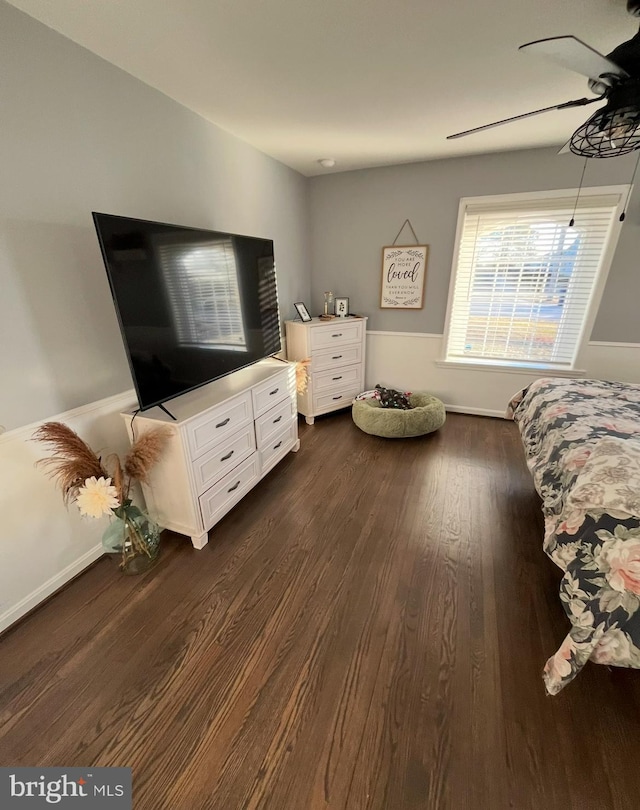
620	559
576	431
563	555
613	648
558	666
97	497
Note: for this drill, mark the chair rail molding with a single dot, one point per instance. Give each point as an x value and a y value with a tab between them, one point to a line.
413	361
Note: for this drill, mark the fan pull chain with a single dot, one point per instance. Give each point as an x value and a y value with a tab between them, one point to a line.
623	215
575	208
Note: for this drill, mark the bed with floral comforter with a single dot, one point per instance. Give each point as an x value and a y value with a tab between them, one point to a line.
582	444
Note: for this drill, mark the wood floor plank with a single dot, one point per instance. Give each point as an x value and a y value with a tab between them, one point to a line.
365	631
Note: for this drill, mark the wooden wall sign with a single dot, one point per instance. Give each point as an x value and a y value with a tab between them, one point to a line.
404	270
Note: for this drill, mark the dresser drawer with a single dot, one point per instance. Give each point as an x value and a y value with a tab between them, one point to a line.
217	500
272	391
272	422
336	399
337	379
278	447
340	356
335	334
211	466
218	423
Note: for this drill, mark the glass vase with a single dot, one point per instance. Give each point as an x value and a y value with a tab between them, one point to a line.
135	537
328	304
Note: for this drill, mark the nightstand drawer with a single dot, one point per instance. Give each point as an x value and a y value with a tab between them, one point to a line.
344	356
218	423
210	467
335	334
337	379
335	399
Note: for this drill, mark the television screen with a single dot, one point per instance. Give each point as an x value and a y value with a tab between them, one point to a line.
193	305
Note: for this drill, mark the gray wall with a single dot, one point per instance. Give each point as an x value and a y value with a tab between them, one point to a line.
354	214
77	134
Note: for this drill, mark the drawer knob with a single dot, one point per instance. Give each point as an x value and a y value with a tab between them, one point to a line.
275	421
278	445
340	397
229	454
235	486
337	357
337	378
225	422
275	391
338	335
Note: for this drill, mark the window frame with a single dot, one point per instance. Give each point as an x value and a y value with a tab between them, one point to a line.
591	312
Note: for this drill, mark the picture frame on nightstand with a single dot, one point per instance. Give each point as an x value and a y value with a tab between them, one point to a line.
342	307
303	312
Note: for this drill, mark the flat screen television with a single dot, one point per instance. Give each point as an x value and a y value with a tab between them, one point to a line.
193	305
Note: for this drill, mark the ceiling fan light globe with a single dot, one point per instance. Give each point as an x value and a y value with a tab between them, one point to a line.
608	133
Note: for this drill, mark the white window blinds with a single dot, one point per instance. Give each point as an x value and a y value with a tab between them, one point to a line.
524	278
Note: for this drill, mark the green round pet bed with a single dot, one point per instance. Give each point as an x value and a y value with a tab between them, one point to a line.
426	415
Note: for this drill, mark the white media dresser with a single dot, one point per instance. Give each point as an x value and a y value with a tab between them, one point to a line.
227	435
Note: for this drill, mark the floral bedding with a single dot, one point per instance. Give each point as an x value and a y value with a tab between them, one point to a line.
582	444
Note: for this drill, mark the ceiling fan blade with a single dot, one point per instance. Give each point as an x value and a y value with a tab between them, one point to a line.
579	102
576	55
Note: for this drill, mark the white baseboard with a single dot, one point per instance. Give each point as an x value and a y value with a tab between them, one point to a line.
45	544
33	599
475	411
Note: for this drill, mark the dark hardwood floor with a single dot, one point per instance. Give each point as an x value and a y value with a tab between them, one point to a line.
366	629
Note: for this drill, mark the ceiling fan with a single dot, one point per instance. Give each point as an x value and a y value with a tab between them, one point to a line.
614	129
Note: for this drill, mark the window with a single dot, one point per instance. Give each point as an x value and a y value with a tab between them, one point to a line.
525	283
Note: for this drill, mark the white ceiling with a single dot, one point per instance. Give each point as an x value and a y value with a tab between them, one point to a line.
367	82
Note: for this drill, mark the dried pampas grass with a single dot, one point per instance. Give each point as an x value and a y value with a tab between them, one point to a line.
72	462
118	477
144	453
302	376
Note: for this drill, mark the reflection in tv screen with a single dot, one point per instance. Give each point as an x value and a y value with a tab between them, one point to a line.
193	305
